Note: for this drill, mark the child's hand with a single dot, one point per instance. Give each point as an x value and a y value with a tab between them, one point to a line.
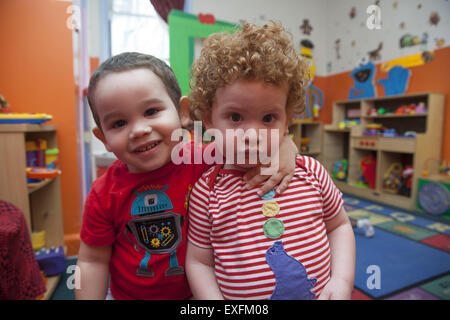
280	180
288	153
336	289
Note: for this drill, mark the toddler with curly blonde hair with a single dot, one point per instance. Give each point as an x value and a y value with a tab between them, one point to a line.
265	54
294	245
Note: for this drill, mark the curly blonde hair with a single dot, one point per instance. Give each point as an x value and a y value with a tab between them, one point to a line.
250	53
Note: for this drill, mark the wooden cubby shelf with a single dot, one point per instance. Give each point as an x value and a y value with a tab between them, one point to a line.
352	144
40	202
311	131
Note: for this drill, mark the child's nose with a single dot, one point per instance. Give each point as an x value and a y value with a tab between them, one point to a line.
140	130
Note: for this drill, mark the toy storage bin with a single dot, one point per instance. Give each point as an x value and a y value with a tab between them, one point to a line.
392	166
362	166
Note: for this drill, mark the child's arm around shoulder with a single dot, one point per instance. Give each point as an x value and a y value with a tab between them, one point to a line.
93	263
284	160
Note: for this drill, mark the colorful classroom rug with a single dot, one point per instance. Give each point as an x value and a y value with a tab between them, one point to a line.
408	258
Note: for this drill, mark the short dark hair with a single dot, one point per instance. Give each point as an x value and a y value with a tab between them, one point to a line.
133	60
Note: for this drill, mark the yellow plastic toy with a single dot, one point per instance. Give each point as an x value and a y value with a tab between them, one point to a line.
38	240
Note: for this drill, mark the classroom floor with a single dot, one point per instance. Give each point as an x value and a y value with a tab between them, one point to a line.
408	258
409	253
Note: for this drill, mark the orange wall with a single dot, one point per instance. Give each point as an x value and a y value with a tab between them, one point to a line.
430	77
37	76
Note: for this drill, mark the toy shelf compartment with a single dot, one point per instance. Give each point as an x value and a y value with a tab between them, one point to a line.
402	122
310	131
391	103
336	145
413	150
39	202
387	160
355	171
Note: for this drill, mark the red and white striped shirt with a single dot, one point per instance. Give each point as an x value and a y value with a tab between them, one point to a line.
228	218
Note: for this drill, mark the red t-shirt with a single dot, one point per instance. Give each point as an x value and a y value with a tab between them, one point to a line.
143	216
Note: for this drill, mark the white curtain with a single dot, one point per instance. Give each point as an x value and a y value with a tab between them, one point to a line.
136	26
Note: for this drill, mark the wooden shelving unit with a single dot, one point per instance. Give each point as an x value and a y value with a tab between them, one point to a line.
353	145
308	129
39	202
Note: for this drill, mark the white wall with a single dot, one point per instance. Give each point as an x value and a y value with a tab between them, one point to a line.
290	13
331	20
413	13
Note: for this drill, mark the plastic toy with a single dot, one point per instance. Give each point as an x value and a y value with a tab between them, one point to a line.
406	109
381	110
372	112
373	129
368	166
51	261
42	173
410	134
347	124
24	117
434	166
340	170
38	240
51	158
35	152
421	108
444	168
407	174
389	133
392	179
304	144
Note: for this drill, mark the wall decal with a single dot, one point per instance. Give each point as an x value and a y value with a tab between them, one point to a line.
306	27
434	18
374	55
396	82
363	78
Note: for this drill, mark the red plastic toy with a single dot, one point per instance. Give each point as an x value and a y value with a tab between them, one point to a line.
368	165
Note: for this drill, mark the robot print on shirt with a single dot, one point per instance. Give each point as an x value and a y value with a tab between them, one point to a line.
155	229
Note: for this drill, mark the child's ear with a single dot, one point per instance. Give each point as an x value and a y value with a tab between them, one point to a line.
207	119
99	134
185	117
286	128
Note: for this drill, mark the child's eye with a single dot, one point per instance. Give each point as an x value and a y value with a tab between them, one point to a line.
118	124
268	118
151	112
235	117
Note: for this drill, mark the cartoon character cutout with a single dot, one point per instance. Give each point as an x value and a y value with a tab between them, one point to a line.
155	229
363	77
314	96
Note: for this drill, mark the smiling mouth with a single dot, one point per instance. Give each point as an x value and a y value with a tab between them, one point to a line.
148	147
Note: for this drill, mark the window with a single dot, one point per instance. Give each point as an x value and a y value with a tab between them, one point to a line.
136	26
